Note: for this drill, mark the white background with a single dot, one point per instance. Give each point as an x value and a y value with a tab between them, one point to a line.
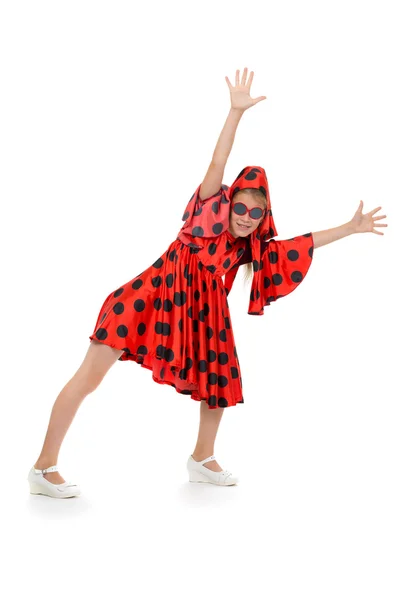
110	112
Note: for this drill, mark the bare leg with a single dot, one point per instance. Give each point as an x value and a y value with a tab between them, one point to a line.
208	428
97	362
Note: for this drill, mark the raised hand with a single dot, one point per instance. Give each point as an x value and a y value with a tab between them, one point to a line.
240	93
363	223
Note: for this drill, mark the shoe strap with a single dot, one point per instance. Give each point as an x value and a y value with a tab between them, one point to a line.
206	460
48	470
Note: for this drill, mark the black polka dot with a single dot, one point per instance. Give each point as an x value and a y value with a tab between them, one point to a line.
227	323
201	316
137	284
162	328
228	246
212	401
180	325
118	292
188	363
172	255
222	402
227	262
217	228
159	263
198	211
200	265
296	276
211	356
211	268
157	303
273	257
190	312
215	207
206	309
169	280
293	255
101	333
223	358
179	298
251	175
277	279
197	295
156	281
139	305
182	374
240	252
190	280
122	330
118	308
185	216
255	266
310	251
169	355
267	282
209	333
234	373
222	335
222	381
162	373
202	366
212	378
198	231
142	350
168	306
212	248
141	328
214	285
195	325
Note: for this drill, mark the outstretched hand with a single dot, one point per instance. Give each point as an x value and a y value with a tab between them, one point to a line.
240	93
363	223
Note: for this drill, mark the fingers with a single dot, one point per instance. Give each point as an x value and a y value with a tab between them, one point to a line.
259	99
382	217
250	80
244	76
237	77
228	82
372	212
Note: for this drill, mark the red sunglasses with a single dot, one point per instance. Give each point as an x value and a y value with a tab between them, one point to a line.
241	209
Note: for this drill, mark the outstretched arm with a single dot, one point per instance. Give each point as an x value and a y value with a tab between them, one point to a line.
240	101
359	224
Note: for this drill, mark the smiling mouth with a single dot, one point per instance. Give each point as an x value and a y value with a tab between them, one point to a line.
244	226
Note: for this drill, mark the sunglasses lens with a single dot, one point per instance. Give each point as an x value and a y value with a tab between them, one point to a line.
239	208
256	213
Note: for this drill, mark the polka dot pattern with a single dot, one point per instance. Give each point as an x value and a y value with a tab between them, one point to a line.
174	320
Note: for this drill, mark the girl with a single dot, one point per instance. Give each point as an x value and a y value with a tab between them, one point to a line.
173	318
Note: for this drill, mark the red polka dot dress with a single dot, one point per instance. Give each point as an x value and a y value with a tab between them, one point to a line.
174	319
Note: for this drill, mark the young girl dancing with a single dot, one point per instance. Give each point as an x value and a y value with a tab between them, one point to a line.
173	318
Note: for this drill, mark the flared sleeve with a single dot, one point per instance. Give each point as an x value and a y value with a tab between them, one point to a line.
283	266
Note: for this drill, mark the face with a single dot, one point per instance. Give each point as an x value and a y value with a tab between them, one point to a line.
236	221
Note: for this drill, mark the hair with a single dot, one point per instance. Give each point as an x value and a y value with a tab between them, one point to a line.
257	195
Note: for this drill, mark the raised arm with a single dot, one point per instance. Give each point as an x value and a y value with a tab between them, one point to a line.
240	101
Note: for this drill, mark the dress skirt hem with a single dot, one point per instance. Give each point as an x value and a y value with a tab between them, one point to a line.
171	374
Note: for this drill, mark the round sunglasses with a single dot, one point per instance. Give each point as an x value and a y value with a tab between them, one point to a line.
241	209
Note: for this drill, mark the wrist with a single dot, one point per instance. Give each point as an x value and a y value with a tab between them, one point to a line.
237	112
349	228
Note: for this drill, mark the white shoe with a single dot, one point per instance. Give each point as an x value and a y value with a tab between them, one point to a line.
40	485
200	474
